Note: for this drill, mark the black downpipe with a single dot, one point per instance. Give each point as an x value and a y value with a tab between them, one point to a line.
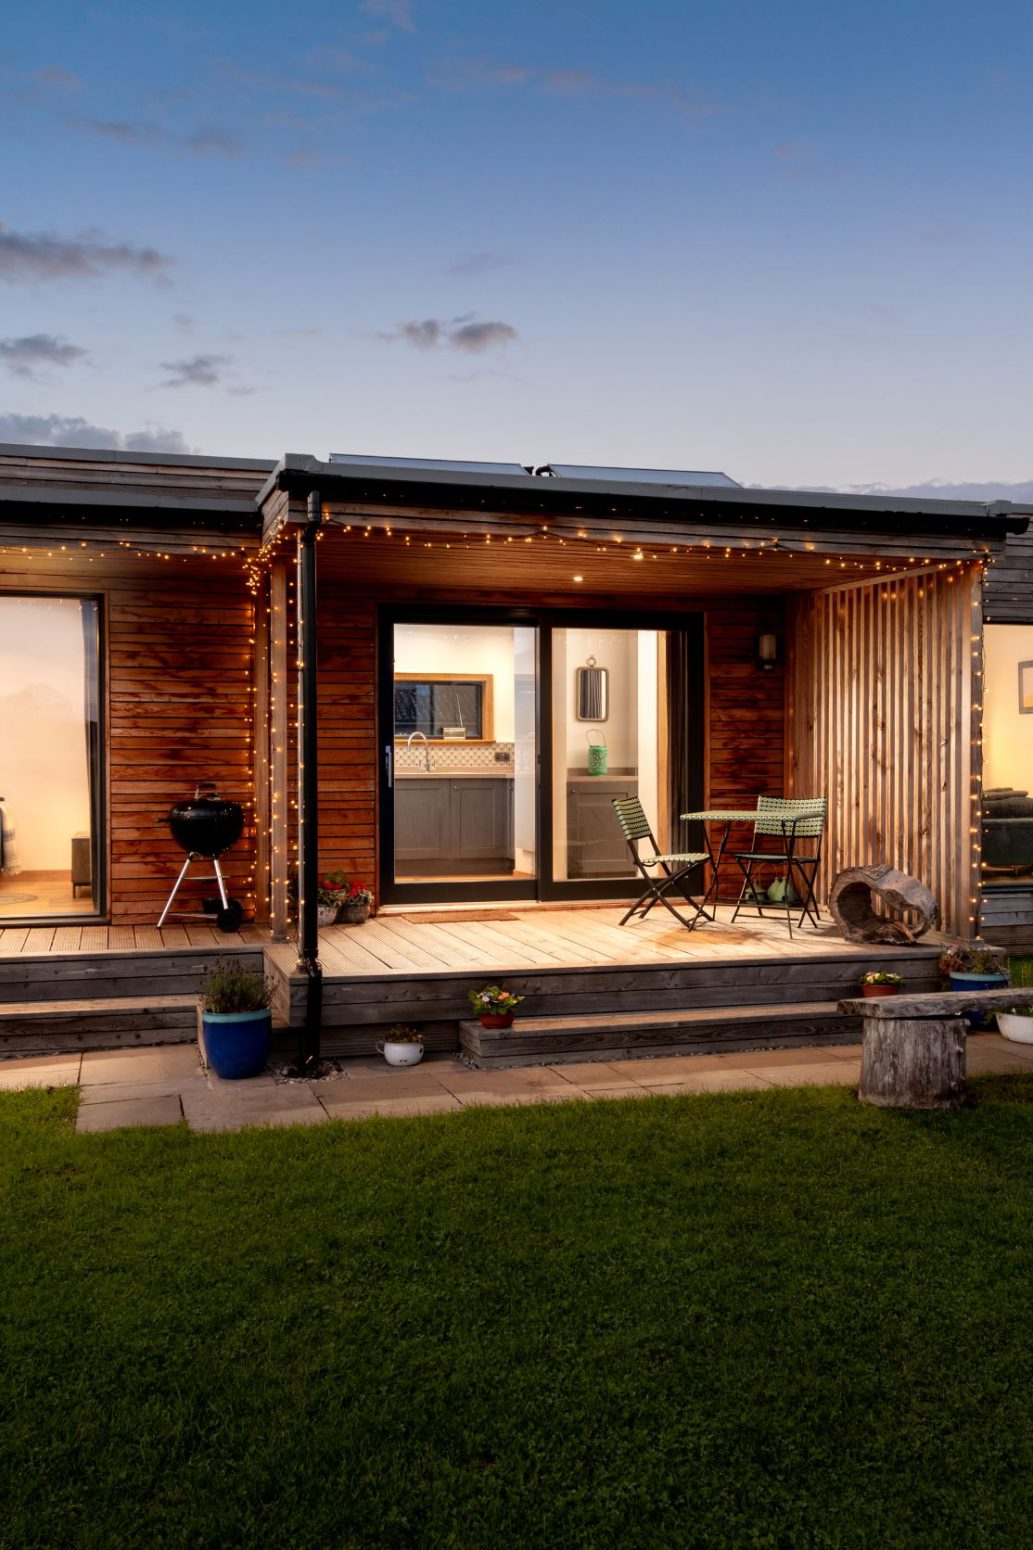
308	789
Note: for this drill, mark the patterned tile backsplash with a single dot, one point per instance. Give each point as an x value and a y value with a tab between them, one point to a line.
454	756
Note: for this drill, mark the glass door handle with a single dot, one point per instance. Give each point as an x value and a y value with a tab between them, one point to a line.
389	765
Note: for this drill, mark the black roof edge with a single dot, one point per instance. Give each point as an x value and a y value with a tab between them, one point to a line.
111	455
300	473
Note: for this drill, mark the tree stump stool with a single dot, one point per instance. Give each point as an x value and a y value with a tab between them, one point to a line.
913	1055
852	899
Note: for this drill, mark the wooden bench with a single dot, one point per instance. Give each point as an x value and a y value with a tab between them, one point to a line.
913	1055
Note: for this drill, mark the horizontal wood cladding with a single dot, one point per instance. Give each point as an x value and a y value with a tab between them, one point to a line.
1008	588
180	681
884	722
1006	916
155	478
347	737
745	736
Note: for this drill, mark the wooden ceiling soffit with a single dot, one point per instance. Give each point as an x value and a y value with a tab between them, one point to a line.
695	535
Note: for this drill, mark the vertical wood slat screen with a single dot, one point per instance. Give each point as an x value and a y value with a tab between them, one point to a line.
884	690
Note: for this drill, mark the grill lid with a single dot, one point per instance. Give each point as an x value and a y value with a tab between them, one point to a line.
207	824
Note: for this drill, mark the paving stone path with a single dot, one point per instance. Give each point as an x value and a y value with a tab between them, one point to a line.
166	1084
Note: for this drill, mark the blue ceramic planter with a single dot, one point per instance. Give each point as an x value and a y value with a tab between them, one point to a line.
964	981
237	1043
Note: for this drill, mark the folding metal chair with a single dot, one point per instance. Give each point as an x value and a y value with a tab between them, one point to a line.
791	819
673	869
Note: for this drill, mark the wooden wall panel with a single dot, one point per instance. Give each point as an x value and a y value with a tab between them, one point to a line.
180	680
745	744
347	736
1008	592
883	695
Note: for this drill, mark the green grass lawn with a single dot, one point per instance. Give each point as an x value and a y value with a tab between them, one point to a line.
763	1319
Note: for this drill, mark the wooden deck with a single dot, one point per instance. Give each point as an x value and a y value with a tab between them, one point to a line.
580	971
560	938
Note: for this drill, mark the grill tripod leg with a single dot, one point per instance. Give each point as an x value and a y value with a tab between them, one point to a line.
184	869
222	886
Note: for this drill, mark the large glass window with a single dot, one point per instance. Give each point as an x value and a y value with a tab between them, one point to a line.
50	757
1008	755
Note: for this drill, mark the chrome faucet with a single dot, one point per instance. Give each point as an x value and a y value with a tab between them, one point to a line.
426	747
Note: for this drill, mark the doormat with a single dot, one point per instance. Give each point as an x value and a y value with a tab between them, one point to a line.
443	917
16	898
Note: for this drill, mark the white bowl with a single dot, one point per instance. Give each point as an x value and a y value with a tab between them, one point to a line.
1018	1029
401	1054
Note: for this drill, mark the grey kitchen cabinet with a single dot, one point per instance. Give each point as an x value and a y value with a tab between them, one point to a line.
595	845
444	825
422	820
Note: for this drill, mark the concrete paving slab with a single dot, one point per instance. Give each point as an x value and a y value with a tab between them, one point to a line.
39	1071
431	1103
590	1074
225	1110
667	1067
152	1064
122	1113
828	1073
121	1092
712	1082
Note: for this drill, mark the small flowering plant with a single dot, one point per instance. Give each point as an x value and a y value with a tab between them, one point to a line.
332	888
493	1001
881	977
355	893
973	958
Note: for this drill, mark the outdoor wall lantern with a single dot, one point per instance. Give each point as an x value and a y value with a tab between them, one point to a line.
767	650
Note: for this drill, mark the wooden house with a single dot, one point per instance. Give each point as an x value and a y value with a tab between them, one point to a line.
406	670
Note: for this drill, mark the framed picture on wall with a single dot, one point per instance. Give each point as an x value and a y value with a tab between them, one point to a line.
1026	688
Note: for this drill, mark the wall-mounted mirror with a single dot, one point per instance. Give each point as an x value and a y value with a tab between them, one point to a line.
593	692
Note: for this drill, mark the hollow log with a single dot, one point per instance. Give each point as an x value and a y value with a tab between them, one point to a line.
913	1063
852	899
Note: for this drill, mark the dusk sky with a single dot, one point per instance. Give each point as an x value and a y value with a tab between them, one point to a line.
789	241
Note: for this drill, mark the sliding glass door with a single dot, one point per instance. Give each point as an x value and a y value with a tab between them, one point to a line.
459	735
51	776
505	738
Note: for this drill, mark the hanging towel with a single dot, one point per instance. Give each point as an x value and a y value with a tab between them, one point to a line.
9	864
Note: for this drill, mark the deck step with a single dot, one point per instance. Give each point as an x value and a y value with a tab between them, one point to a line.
47	1027
624	1035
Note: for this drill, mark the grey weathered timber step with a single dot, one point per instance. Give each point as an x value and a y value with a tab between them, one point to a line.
114	974
624	1035
43	1027
353	1000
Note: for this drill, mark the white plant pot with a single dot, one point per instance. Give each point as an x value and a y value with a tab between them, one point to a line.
326	914
1018	1029
400	1054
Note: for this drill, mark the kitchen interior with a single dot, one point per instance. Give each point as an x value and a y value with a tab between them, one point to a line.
466	749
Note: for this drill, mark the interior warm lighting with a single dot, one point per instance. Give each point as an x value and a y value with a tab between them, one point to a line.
579	578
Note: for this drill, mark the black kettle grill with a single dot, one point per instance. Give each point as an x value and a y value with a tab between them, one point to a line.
206	826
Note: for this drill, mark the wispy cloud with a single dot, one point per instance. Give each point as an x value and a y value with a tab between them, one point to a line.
199	142
58	430
397	12
197	371
29	258
58	77
478	263
487	74
462	333
23	357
